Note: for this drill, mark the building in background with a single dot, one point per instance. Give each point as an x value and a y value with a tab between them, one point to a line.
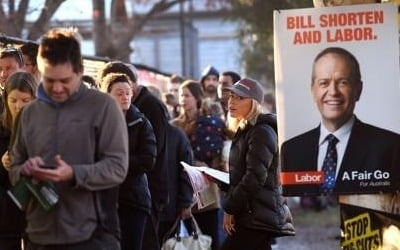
209	39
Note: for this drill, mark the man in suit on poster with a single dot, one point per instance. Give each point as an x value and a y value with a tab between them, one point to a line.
355	157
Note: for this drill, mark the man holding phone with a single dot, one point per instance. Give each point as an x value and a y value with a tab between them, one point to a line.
75	138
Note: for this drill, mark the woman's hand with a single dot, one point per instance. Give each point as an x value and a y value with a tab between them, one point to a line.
5	159
229	223
200	163
186	213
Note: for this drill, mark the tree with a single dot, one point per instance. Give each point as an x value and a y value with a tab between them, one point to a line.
111	39
12	19
121	29
256	32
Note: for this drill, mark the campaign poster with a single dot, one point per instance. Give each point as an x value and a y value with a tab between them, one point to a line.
337	74
363	228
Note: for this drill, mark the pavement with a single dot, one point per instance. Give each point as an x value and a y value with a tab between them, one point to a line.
314	230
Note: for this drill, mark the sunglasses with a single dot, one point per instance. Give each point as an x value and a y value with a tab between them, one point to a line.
9	50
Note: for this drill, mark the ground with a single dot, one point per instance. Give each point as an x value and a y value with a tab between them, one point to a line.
314	230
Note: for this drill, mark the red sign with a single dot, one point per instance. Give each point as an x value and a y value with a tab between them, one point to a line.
302	178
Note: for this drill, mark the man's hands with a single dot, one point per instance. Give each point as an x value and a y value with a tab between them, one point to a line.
62	171
229	223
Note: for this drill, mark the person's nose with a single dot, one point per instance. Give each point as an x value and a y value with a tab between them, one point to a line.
18	105
182	99
231	100
333	88
57	87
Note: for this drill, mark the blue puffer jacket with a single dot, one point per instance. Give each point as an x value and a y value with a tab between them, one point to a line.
254	194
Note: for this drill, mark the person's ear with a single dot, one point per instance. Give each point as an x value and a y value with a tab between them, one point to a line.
359	90
81	70
312	91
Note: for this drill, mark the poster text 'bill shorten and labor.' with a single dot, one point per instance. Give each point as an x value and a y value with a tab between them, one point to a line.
335	27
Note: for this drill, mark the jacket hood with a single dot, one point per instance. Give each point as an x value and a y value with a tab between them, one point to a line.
269	119
42	95
209	70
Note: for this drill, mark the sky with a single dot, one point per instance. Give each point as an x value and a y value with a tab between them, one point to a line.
69	10
82	9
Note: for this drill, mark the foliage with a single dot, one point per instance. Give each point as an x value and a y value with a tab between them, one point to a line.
12	18
256	33
112	37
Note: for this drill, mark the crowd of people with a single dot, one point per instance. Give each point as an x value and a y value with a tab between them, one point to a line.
111	149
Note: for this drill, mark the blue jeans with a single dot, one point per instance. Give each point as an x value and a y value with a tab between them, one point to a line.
133	222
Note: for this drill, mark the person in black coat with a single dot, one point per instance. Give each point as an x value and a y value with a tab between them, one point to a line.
134	194
180	189
255	211
156	112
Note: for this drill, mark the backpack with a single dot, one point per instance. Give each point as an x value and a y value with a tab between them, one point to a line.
208	138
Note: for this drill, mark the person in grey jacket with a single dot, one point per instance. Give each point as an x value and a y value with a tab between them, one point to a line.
255	211
81	135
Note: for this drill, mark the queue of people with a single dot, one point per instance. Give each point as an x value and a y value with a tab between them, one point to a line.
111	150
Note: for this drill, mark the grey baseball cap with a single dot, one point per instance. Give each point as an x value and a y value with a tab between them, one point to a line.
248	88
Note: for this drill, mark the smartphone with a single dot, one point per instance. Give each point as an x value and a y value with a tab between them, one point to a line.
47	166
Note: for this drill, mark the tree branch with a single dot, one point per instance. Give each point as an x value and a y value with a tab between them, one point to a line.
157	8
11	8
2	15
40	25
137	24
100	28
21	13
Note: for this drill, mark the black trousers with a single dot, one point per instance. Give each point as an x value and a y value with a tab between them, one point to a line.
209	224
133	223
10	243
150	238
100	240
249	239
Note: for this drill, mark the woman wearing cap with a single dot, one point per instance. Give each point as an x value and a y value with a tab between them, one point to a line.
255	211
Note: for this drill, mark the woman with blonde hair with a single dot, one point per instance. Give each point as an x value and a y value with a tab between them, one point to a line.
255	211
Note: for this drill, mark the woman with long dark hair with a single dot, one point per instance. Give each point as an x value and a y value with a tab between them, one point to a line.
203	130
19	91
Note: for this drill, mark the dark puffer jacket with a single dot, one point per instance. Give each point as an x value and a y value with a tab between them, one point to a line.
134	191
12	220
254	195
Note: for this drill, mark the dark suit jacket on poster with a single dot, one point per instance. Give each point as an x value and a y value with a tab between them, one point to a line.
371	155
